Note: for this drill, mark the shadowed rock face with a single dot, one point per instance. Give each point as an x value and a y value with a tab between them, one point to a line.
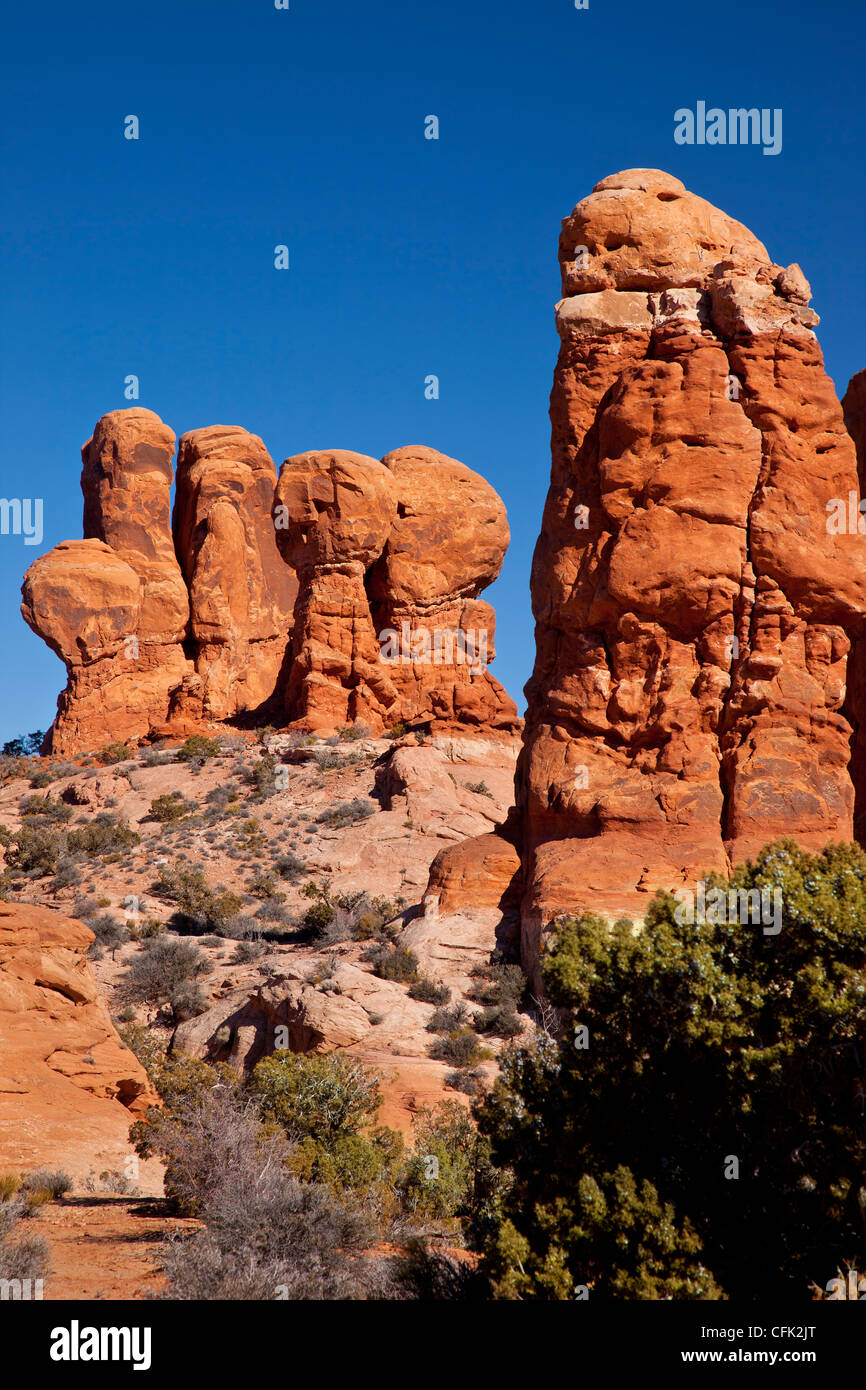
242	594
271	608
391	557
695	604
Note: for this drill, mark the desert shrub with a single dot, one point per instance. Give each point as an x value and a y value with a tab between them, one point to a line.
468	1081
317	1096
480	788
102	836
498	983
109	933
353	1163
110	1180
197	750
460	1048
53	1181
397	963
37	850
67	873
262	776
247	951
113	753
449	1172
265	884
499	1020
21	1256
202	906
271	911
707	1040
169	809
156	757
50	812
218	798
318	917
9	1185
429	991
267	1235
346	812
167	971
449	1020
350	733
290	867
397	731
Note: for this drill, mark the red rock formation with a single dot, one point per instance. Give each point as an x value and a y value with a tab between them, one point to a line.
695	593
242	594
854	411
391	557
114	606
160	645
68	1088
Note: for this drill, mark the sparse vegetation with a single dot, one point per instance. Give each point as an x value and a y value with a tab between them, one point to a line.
397	963
197	750
346	812
167	971
201	906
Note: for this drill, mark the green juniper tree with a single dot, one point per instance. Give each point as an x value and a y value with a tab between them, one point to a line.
699	1131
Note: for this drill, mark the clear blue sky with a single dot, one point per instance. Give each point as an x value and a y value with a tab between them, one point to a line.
408	256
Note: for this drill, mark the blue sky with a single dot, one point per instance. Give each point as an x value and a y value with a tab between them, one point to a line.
408	256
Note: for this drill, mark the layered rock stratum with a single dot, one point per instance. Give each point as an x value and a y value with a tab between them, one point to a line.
698	581
352	595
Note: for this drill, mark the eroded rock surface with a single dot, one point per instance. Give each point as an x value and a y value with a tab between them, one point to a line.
69	1089
350	597
391	558
696	587
242	594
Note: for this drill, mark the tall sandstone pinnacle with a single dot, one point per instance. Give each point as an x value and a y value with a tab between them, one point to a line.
242	594
114	607
695	593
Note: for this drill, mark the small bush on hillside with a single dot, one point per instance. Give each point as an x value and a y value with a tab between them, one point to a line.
197	750
21	1256
169	809
397	963
346	812
102	836
37	849
109	933
290	867
167	971
55	1182
429	991
203	906
320	1096
460	1048
114	753
50	812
